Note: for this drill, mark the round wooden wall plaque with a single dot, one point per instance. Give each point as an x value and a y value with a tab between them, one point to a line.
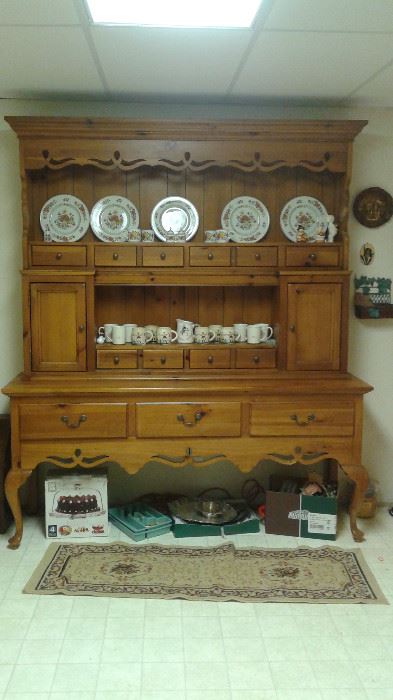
373	207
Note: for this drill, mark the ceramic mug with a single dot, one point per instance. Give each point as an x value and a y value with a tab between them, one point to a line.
134	236
147	235
141	336
185	331
128	327
203	334
253	334
228	334
218	235
118	334
153	329
106	331
216	328
166	335
266	331
240	332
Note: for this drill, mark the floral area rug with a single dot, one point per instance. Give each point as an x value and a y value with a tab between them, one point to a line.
311	575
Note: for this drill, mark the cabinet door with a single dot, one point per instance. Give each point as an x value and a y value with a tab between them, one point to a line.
314	326
58	327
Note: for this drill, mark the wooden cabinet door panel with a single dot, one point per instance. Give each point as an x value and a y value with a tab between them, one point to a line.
58	327
314	326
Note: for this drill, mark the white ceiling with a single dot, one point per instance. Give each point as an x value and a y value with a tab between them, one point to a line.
334	52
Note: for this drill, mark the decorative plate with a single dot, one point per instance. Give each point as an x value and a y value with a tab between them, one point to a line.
301	219
64	219
174	218
246	219
373	207
112	218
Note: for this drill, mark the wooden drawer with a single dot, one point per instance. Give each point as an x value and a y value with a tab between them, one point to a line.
305	417
162	256
117	359
205	256
312	256
58	255
73	421
171	358
115	256
188	419
211	357
258	358
256	256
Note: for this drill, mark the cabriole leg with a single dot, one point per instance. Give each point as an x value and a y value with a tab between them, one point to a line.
14	480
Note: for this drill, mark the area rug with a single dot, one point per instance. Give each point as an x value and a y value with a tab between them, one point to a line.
224	573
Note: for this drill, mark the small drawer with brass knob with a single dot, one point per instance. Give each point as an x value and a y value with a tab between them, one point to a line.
162	256
58	255
116	358
210	358
256	358
160	358
115	256
210	256
256	256
313	256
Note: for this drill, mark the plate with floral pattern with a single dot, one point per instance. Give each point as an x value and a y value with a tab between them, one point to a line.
246	218
112	218
301	218
64	219
174	218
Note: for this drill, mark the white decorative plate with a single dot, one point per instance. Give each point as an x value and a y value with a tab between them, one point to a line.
301	218
246	219
112	218
174	217
64	218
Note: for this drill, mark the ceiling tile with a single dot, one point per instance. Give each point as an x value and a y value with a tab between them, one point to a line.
35	12
332	15
41	60
166	61
306	65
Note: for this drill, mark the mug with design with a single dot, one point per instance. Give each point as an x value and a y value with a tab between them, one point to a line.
129	327
166	335
118	334
203	334
134	236
240	332
253	333
266	331
141	336
185	331
147	235
153	329
218	235
216	328
228	334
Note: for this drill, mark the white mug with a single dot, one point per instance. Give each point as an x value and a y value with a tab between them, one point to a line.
203	334
128	327
185	331
266	331
106	331
153	329
166	335
141	336
216	328
227	334
118	334
253	333
240	332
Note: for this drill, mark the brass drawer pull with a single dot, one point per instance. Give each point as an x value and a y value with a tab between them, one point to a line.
210	256
313	256
163	360
82	418
162	256
115	256
210	359
257	256
302	423
59	256
116	360
256	359
189	423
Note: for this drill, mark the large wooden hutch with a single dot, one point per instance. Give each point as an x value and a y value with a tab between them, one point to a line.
79	404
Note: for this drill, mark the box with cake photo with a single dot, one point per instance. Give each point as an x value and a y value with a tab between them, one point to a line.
76	505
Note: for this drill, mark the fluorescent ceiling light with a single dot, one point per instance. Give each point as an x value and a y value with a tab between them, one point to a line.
174	13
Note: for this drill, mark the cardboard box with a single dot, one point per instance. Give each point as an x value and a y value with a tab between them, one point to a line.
76	505
296	515
251	523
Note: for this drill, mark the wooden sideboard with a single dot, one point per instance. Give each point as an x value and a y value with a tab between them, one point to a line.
80	404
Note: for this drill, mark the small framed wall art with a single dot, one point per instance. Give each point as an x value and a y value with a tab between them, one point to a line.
373	207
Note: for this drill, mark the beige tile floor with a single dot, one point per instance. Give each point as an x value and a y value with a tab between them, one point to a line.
64	648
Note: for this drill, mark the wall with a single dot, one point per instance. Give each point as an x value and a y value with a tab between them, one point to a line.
371	342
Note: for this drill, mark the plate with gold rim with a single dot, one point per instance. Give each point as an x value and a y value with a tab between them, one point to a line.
64	219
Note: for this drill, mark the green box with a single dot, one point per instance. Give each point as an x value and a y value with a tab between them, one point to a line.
296	515
183	529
